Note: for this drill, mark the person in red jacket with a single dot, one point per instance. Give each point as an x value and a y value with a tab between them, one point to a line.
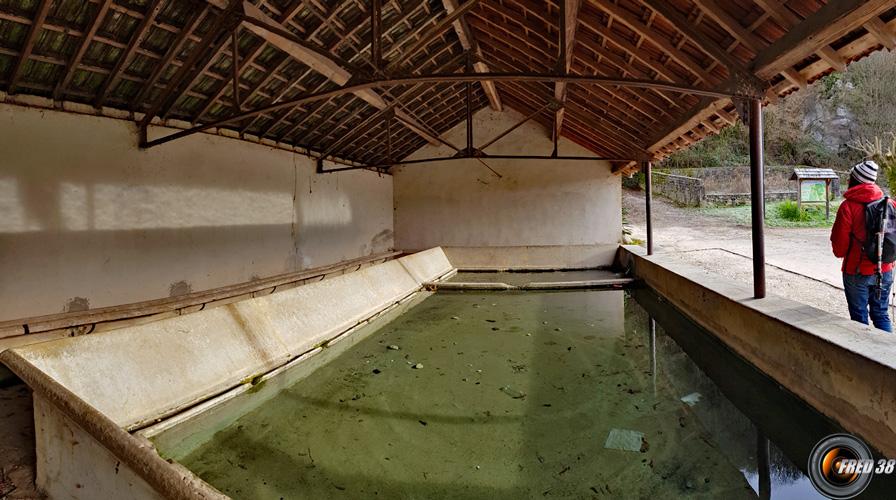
847	240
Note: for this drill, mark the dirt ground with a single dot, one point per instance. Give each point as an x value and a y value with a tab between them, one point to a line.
800	265
16	444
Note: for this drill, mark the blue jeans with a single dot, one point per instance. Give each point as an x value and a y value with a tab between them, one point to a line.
862	296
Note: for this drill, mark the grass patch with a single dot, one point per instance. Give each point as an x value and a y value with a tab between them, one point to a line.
781	214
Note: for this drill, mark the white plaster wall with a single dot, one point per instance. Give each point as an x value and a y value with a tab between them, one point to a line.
87	218
535	202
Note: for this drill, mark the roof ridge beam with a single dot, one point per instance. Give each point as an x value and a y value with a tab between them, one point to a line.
828	23
569	25
645	32
324	65
468	42
42	10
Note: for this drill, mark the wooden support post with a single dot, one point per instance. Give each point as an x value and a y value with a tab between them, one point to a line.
389	154
757	197
469	89
376	29
236	69
648	202
827	199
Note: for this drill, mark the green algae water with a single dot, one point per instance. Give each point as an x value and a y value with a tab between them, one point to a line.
522	278
573	394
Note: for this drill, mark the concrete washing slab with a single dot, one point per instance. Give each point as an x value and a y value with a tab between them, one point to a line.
99	398
845	370
92	392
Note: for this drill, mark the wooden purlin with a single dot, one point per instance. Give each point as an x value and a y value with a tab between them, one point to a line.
468	42
789	44
42	10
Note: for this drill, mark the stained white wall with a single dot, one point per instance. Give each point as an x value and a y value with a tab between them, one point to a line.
87	218
534	203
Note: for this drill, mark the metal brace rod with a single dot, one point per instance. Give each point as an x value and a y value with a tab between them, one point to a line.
445	78
489	157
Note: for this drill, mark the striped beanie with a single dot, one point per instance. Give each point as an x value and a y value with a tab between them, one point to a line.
865	172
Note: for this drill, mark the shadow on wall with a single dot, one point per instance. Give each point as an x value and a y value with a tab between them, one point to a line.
73	241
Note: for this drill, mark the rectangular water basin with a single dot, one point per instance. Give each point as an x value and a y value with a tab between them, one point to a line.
572	394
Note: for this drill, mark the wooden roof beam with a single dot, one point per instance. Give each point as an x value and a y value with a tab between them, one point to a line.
744	36
435	31
787	19
468	42
879	30
42	10
124	60
86	39
827	24
569	24
690	30
327	67
692	118
647	33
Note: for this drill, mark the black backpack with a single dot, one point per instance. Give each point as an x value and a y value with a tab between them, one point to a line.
880	217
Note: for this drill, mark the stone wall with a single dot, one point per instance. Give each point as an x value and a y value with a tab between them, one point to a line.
687	191
735	180
734	199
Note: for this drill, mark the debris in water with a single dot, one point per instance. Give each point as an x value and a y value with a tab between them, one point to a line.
692	398
490	320
514	393
544	322
558	329
455	318
495	328
393	347
625	440
418	366
376	371
422	422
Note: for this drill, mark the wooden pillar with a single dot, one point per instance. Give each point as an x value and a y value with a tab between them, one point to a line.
648	201
757	197
827	199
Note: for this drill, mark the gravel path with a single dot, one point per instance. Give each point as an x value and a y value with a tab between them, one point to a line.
800	265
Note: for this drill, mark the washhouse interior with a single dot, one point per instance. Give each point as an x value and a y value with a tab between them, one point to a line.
302	249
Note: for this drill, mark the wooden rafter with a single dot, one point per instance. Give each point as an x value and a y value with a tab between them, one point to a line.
327	67
831	21
86	40
468	42
176	47
140	33
135	58
42	10
645	32
569	25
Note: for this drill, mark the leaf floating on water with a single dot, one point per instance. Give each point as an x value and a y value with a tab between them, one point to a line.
625	440
692	398
514	393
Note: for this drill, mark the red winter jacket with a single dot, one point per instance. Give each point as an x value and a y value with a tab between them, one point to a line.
848	234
